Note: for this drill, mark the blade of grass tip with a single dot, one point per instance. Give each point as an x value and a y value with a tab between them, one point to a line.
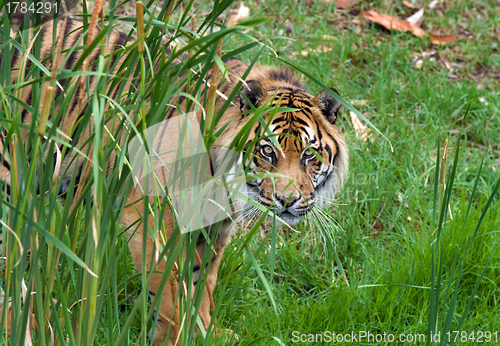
338	98
442	175
286	18
451	179
468	109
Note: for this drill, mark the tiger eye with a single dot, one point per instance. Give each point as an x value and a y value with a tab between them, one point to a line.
308	152
267	150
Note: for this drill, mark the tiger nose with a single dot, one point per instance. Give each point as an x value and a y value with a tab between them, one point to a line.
286	201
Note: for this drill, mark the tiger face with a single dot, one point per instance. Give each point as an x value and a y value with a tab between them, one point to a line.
312	156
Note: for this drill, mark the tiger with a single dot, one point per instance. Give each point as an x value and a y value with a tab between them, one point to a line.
308	151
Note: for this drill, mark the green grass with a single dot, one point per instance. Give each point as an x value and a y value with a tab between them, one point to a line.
385	239
407	272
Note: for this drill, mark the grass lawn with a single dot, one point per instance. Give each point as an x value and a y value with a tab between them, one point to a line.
386	234
418	258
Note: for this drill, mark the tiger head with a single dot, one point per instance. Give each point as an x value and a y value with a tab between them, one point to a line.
312	157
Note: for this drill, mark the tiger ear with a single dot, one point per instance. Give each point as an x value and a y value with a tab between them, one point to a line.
254	93
328	105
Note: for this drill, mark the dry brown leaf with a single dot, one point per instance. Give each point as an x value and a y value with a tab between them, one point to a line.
395	23
238	15
442	39
346	4
407	4
362	132
447	64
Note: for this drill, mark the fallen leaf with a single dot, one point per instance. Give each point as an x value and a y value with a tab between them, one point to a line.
407	4
362	132
238	15
442	39
393	23
346	4
448	66
416	18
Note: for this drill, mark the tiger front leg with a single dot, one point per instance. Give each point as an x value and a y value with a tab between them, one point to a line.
215	258
168	319
168	312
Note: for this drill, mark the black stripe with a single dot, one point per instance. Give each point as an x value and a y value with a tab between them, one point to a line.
27	69
24	113
318	129
305	102
5	163
15	57
308	111
337	147
7	189
229	59
122	38
301	122
328	150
